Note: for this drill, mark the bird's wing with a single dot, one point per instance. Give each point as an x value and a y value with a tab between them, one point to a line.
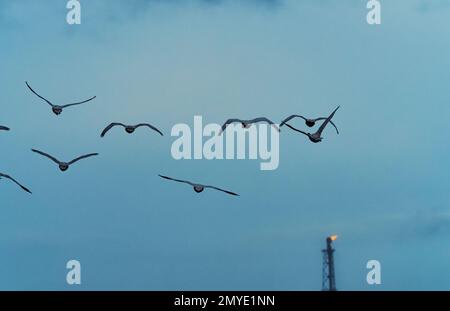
46	155
82	157
4	128
263	119
331	122
48	102
177	180
229	121
79	103
219	189
290	118
150	126
16	182
297	130
324	124
110	127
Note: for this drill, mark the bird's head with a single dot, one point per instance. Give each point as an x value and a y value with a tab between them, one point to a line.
63	167
57	110
129	129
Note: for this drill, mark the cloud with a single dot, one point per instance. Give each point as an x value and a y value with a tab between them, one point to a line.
421	224
137	5
433	224
120	11
426	6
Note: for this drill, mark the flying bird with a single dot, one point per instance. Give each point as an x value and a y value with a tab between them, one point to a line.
308	122
57	109
4	128
247	123
15	181
316	137
198	187
64	166
130	128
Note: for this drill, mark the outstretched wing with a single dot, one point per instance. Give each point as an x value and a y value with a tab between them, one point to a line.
229	121
46	100
177	180
324	124
46	155
331	122
79	103
297	130
110	127
82	157
4	128
263	119
290	118
219	189
150	126
16	182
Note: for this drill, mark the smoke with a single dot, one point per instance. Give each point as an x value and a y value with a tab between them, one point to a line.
437	224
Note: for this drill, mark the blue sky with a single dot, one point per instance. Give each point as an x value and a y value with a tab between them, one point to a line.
382	184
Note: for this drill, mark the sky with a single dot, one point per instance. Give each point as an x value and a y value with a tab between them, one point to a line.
381	185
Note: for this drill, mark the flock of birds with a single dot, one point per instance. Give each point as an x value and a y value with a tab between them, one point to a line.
315	137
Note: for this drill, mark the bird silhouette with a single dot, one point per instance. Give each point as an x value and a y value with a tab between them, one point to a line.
4	128
308	122
316	137
64	166
15	181
198	187
129	128
247	123
58	109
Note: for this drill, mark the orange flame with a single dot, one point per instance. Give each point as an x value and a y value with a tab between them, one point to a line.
333	237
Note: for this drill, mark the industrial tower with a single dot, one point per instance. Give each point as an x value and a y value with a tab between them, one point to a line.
328	278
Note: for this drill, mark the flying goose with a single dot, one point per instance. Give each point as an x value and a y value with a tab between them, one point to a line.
316	137
15	181
57	109
308	122
64	166
129	128
198	187
247	123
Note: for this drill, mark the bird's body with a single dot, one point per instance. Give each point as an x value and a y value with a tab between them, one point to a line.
129	128
64	166
4	128
308	122
247	123
58	109
15	181
317	136
198	187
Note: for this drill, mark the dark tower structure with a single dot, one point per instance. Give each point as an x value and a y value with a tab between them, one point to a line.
328	278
